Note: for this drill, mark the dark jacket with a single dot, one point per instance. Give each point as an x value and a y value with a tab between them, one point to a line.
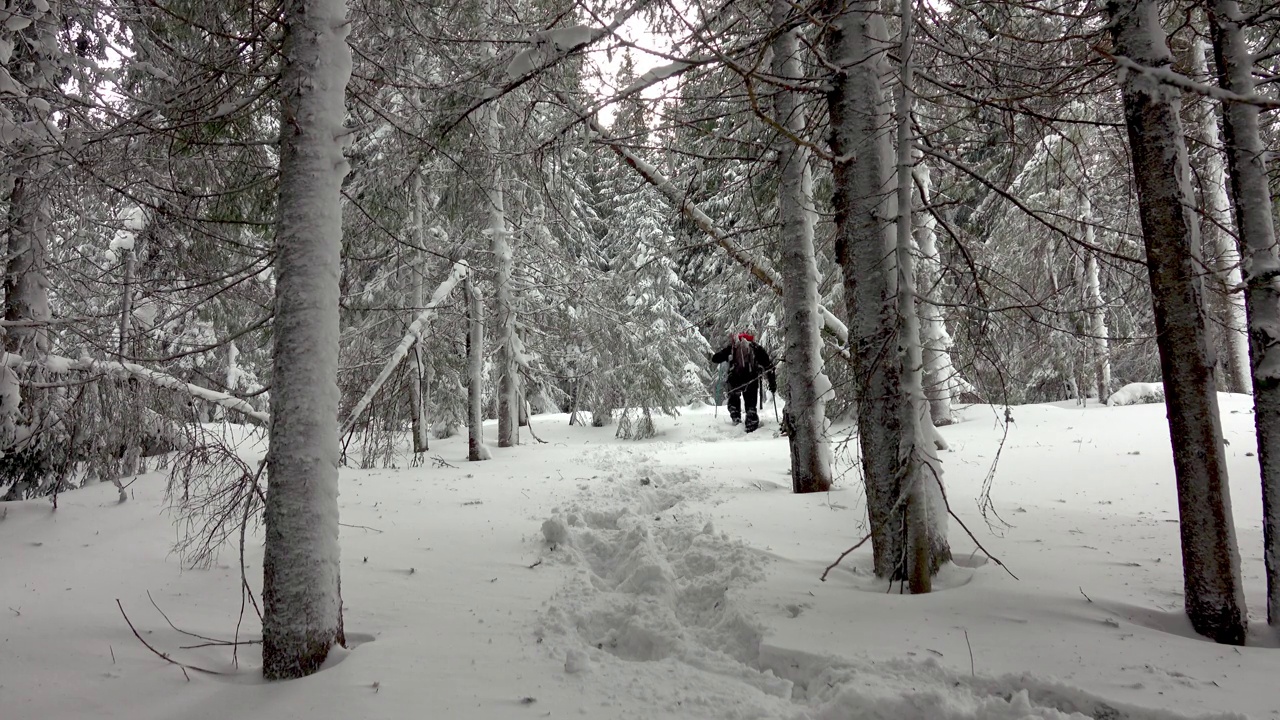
739	377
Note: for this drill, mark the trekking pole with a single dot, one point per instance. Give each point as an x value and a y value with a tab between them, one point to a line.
775	409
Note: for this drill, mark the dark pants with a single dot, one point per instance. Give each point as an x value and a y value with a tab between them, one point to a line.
750	392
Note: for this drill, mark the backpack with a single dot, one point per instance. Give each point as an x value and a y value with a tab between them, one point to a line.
743	359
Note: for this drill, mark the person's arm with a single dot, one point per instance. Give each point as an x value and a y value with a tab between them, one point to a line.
722	355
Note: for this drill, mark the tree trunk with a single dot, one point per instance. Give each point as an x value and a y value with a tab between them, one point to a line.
805	382
476	449
1246	159
1210	561
864	209
916	451
417	410
26	288
302	606
940	375
1226	300
500	245
1097	304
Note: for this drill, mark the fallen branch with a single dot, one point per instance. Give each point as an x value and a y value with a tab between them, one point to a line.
183	666
414	335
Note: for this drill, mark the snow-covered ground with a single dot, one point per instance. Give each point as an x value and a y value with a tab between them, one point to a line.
671	578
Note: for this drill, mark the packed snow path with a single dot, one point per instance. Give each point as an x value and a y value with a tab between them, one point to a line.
670	578
650	611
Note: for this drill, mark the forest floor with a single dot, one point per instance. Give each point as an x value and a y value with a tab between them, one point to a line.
675	577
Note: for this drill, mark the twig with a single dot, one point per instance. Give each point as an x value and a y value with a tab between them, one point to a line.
113	653
902	497
184	667
968	532
362	527
536	564
246	592
529	424
219	643
175	627
1086	597
972	672
441	463
833	565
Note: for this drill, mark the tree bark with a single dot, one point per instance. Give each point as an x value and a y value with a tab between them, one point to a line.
26	288
1225	298
1210	561
940	375
805	382
864	211
1247	162
302	607
417	410
475	372
500	245
1097	304
916	452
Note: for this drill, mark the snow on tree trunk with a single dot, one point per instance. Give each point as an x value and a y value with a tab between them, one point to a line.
806	384
476	449
1247	161
941	379
1097	304
500	245
1226	300
416	274
302	606
916	450
864	208
1210	561
233	367
26	288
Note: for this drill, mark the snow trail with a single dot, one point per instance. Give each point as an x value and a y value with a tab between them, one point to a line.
648	608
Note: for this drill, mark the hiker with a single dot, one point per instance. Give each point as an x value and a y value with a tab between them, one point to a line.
747	362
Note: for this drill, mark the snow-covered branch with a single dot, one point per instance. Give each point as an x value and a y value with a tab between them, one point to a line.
1168	76
546	49
414	335
57	363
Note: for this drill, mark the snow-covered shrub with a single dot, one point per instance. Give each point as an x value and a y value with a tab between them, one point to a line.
1138	394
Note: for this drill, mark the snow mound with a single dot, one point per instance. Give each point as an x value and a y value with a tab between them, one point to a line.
1137	394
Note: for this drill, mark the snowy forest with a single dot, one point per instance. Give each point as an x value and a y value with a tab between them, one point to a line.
263	256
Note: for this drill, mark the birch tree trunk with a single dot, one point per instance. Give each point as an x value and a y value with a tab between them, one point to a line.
864	210
476	449
416	408
1247	161
500	245
940	375
915	448
1097	304
1226	300
805	382
302	606
1210	561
